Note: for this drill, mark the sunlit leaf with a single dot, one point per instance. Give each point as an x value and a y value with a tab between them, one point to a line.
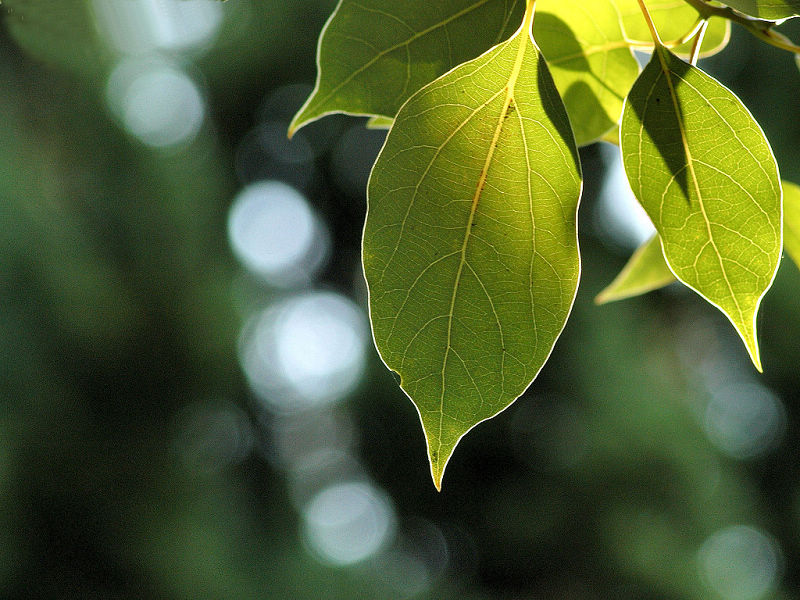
645	271
374	54
470	245
702	169
766	9
673	19
791	220
591	63
380	123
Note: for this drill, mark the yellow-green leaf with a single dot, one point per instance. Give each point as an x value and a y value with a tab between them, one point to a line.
380	123
791	220
592	65
374	54
645	271
470	245
705	174
673	20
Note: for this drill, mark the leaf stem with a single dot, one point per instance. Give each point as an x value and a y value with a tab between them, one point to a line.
698	42
650	25
527	21
760	28
671	43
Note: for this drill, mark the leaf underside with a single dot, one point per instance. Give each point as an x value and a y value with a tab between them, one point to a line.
704	172
470	245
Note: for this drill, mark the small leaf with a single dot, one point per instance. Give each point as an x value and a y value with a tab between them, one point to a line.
766	9
374	54
646	271
704	172
380	123
592	64
791	220
673	19
470	245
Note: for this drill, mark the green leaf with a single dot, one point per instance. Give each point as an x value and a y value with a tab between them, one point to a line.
374	54
791	220
766	9
380	123
470	245
63	34
673	19
645	271
592	65
704	172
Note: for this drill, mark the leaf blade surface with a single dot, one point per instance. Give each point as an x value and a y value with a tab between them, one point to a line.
373	54
591	62
470	245
767	9
704	172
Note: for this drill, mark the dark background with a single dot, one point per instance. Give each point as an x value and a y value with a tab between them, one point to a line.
151	448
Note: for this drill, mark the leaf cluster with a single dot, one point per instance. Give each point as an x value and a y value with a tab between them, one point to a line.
470	247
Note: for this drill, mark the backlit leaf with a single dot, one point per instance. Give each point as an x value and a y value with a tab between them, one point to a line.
791	220
702	169
766	9
645	271
591	63
374	54
673	19
470	244
380	123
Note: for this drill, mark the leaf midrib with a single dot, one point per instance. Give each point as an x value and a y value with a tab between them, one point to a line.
666	72
510	86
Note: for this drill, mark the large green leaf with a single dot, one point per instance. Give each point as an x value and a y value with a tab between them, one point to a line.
470	244
374	54
766	9
673	19
791	220
645	271
591	63
702	169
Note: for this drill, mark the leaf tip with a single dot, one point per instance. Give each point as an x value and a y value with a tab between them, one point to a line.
602	298
438	464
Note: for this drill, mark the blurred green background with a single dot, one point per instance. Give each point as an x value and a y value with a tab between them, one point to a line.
191	404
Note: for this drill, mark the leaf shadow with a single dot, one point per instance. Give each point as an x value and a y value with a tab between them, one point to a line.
555	109
584	105
661	114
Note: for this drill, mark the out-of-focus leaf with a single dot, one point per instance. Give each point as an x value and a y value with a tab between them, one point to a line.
645	271
791	220
380	123
61	33
470	244
591	63
702	169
